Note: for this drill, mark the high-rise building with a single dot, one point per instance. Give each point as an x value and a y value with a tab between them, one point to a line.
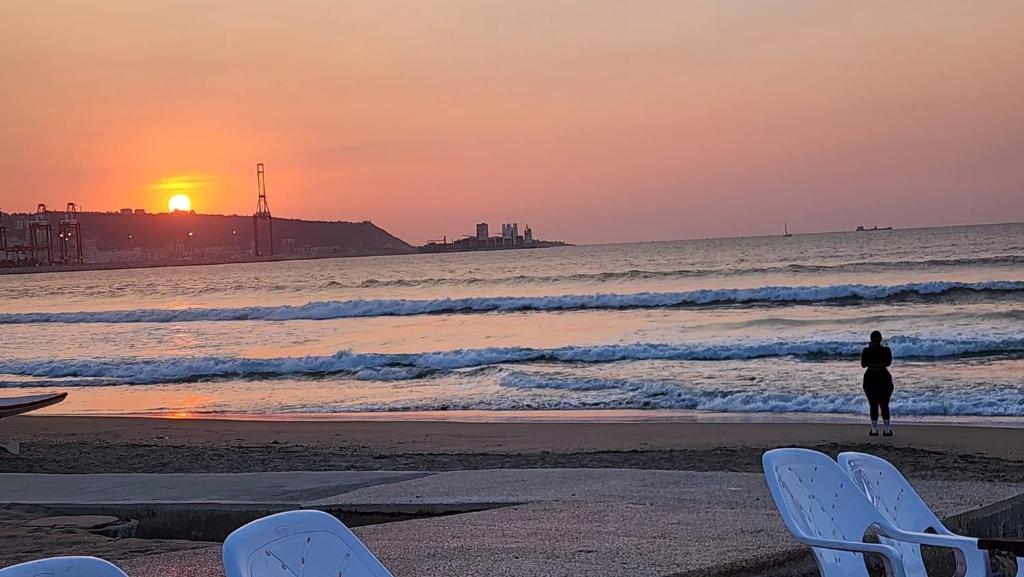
528	235
509	232
482	231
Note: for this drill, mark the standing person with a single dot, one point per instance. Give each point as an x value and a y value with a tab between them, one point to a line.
876	358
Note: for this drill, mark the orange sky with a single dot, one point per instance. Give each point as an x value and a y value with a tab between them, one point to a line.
590	120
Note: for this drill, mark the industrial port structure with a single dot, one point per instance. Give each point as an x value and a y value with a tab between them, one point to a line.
262	215
133	237
37	247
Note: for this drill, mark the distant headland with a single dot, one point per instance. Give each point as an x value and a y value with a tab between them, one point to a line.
133	238
52	241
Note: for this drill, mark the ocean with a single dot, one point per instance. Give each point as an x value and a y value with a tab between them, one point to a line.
755	327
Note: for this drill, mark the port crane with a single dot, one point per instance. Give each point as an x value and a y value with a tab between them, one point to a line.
39	229
262	214
70	228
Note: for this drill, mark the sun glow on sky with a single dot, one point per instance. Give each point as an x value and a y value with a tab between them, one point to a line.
180	189
590	120
179	202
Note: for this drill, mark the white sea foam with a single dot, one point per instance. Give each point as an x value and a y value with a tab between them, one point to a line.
1005	401
402	307
377	366
650	274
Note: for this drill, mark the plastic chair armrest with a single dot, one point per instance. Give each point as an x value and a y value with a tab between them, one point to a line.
893	561
973	561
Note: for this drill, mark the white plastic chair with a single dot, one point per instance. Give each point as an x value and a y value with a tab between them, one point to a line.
823	508
64	567
298	544
895	498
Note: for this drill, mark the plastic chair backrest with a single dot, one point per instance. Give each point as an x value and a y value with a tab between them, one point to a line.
893	497
64	567
817	500
298	544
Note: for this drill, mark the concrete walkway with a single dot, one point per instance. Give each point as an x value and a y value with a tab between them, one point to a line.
294	488
560	522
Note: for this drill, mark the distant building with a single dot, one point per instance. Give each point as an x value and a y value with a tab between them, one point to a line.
482	232
140	211
509	232
508	239
125	211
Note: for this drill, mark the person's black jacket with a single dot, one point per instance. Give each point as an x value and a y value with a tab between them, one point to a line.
876	357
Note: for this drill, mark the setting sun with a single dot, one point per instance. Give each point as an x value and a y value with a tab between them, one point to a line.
179	202
179	189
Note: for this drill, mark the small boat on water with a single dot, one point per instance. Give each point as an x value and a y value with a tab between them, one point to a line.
860	228
785	227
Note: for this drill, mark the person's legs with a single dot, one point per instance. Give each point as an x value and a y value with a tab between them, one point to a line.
873	407
883	401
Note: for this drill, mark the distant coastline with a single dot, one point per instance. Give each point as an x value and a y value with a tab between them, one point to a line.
57	268
420	249
129	239
135	239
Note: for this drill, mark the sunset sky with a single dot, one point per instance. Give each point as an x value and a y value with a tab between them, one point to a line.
590	120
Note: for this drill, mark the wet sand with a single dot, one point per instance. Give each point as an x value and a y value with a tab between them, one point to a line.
114	444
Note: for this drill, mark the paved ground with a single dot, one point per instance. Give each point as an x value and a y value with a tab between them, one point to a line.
278	488
560	522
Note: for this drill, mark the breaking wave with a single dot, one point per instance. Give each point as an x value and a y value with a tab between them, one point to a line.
378	366
1004	401
643	274
768	295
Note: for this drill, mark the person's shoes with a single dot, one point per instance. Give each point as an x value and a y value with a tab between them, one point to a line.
873	432
887	432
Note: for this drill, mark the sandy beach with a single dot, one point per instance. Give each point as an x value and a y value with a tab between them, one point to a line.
927	453
124	444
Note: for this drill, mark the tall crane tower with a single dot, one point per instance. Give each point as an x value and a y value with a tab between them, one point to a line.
262	214
70	228
39	229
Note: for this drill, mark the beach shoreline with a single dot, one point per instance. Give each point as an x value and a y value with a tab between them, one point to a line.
53	444
549	416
